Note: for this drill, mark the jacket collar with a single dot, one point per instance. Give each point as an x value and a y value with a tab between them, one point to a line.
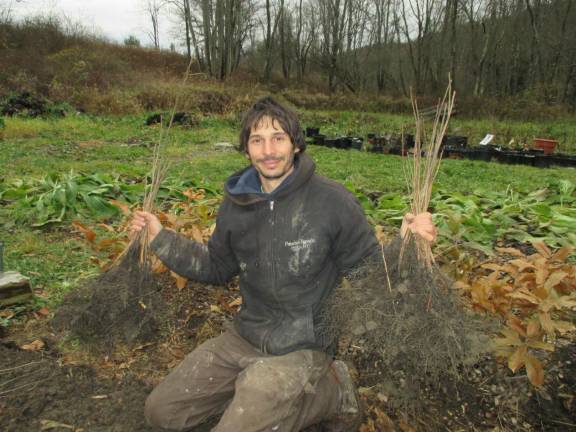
244	187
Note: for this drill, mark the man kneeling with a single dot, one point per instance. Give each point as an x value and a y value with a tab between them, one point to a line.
290	234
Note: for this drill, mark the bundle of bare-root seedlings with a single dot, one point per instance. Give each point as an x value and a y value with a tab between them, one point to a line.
409	331
123	304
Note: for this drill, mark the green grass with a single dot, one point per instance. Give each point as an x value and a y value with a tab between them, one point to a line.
57	259
54	261
507	133
37	147
384	173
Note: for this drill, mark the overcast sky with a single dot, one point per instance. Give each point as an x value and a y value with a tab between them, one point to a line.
116	19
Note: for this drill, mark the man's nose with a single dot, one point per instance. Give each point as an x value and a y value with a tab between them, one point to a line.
269	148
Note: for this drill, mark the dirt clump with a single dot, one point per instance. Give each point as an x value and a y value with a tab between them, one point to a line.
180	118
554	406
122	305
28	105
37	392
412	330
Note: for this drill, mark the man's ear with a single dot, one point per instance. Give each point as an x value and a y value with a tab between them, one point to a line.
297	150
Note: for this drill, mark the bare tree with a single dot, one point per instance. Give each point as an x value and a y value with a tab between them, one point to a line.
225	25
153	8
184	13
272	19
332	16
285	38
7	9
420	22
305	36
380	38
490	47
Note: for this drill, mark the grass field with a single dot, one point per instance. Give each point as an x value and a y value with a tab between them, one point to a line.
121	148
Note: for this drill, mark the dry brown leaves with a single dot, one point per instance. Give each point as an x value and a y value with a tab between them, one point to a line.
534	294
193	218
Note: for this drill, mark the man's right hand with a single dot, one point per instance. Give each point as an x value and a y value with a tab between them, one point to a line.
141	220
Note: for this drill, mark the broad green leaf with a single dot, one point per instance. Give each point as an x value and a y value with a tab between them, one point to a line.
71	192
99	207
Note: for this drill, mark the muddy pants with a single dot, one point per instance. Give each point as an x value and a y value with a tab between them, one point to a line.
255	391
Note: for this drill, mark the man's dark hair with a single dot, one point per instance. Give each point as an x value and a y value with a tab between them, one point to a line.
285	117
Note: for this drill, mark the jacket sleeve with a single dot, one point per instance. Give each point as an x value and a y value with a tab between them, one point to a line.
212	263
355	245
355	242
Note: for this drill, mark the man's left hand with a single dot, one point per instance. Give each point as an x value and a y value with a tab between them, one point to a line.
421	225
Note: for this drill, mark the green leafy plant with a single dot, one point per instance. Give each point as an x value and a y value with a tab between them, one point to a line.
56	197
480	219
59	198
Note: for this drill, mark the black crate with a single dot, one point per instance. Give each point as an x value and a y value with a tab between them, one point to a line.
312	131
319	139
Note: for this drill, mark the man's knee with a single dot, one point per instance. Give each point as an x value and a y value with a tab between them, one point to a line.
269	383
188	395
156	411
166	411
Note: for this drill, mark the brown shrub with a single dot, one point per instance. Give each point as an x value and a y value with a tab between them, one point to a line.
163	97
156	97
212	102
117	102
527	107
347	102
42	50
78	67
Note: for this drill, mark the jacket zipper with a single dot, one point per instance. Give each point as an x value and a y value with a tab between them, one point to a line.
267	335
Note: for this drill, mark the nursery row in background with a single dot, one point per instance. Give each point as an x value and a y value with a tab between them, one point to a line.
540	155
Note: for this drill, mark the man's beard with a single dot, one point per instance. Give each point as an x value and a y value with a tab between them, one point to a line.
289	165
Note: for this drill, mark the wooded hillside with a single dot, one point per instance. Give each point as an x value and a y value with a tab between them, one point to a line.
490	47
512	59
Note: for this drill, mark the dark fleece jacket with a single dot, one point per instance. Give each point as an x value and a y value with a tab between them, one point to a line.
290	249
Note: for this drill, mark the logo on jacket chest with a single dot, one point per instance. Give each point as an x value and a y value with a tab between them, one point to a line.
300	244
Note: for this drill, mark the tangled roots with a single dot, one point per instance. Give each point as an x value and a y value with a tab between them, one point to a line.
122	305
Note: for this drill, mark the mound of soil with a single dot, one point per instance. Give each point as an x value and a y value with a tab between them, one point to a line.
103	392
407	317
122	305
41	386
28	105
36	392
487	397
180	118
106	392
554	407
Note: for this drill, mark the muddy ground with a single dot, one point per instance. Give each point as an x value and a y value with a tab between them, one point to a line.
50	384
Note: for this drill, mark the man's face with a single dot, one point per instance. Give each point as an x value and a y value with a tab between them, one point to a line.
271	150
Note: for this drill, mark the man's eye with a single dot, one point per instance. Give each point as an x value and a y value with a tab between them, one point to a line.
255	140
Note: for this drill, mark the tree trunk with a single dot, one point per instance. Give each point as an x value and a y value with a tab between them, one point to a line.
268	43
187	23
207	27
283	53
536	56
454	16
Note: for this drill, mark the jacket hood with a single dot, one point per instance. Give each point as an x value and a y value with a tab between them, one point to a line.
244	187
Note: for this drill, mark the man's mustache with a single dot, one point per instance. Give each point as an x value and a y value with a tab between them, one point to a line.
270	159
